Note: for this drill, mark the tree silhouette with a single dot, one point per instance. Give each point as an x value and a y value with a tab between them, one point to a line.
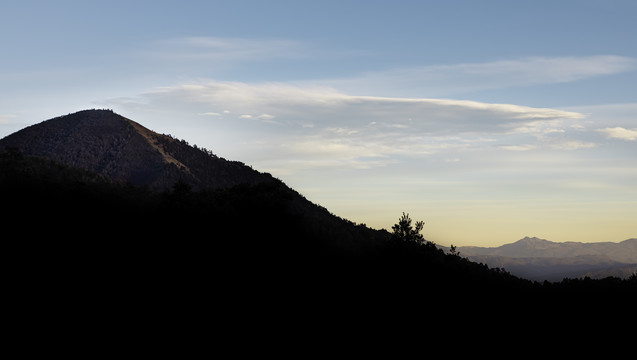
454	250
405	232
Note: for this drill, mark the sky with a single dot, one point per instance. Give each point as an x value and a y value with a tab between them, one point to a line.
489	120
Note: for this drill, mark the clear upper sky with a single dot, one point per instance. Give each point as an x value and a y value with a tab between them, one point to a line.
489	120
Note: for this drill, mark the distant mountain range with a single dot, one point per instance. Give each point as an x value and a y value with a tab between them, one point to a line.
539	259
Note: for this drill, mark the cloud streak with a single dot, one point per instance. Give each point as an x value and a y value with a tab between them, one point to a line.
328	107
6	118
458	78
320	126
620	133
211	50
428	80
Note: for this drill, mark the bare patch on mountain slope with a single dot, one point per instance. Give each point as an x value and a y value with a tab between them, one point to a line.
151	138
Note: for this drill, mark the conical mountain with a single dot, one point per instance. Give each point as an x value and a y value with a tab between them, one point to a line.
109	144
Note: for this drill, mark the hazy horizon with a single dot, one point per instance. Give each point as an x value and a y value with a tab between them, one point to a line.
490	121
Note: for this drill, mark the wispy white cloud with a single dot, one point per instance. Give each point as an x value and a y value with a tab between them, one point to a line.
222	49
571	144
543	70
522	147
331	108
620	133
320	126
456	78
6	118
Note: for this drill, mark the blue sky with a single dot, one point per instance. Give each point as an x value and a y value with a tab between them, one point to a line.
490	120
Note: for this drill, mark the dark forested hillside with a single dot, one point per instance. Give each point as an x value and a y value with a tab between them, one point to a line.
266	222
258	230
71	222
111	145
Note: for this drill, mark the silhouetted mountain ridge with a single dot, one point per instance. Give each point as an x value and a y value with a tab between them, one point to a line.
70	192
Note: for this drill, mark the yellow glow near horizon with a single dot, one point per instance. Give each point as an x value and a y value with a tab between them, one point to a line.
499	222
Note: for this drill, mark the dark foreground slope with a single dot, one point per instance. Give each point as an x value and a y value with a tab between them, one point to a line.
250	264
71	229
260	233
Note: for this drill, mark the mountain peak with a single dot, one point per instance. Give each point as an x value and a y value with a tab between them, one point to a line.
529	245
532	240
112	145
